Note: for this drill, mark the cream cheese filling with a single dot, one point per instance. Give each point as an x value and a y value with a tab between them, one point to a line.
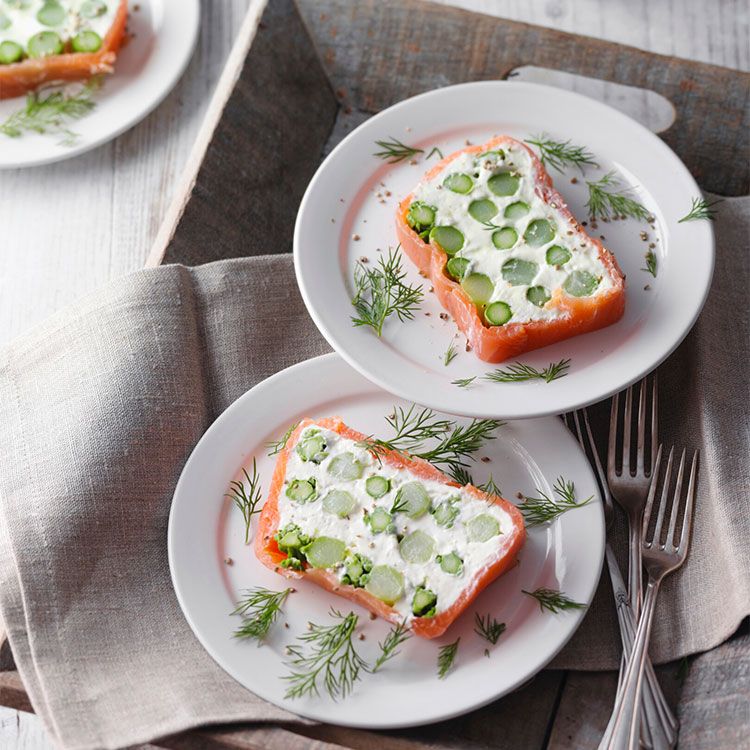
478	249
19	22
383	548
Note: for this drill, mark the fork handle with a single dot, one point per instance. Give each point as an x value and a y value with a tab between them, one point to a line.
635	569
623	728
661	723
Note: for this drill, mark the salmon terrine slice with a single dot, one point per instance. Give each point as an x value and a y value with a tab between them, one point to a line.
50	41
506	257
387	531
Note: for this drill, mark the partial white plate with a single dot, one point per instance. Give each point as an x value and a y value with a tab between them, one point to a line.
205	529
356	194
163	34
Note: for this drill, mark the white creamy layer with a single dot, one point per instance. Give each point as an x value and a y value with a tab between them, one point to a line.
382	548
22	15
478	249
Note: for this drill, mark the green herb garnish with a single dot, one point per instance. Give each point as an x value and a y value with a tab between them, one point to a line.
49	113
519	372
554	601
464	382
455	442
462	442
650	263
327	654
446	657
277	446
701	209
538	510
435	150
246	500
490	487
259	609
450	354
462	476
488	627
382	291
607	199
394	151
558	154
389	647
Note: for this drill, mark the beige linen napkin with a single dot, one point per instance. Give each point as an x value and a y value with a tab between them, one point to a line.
101	405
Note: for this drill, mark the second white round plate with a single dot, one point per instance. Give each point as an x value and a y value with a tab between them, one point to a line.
205	530
349	210
162	36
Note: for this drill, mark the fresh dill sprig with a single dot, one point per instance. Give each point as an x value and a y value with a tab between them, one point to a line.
650	263
412	428
246	500
464	382
490	226
50	112
519	372
446	657
701	209
558	154
552	600
394	151
327	653
606	199
400	504
455	443
259	609
435	150
450	354
538	510
389	647
382	291
488	627
276	446
462	476
461	443
490	487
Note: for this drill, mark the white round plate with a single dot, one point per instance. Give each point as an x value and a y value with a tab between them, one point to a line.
354	194
162	38
205	529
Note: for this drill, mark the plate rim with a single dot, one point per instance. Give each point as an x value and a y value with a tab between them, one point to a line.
574	618
185	6
616	384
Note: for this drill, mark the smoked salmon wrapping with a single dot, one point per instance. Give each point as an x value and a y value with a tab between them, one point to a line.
267	550
498	343
22	77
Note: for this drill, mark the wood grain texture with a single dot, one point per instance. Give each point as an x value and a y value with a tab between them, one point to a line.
378	52
264	150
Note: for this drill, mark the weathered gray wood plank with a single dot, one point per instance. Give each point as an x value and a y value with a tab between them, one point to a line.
714	709
586	703
378	52
264	150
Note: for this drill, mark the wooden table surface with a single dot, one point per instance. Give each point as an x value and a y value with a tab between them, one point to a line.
69	227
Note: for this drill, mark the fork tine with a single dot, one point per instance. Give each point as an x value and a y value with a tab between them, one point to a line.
651	493
595	453
612	445
687	520
626	425
654	419
640	447
664	498
676	502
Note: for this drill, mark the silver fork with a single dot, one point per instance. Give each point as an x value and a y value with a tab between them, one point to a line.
662	554
660	728
629	478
